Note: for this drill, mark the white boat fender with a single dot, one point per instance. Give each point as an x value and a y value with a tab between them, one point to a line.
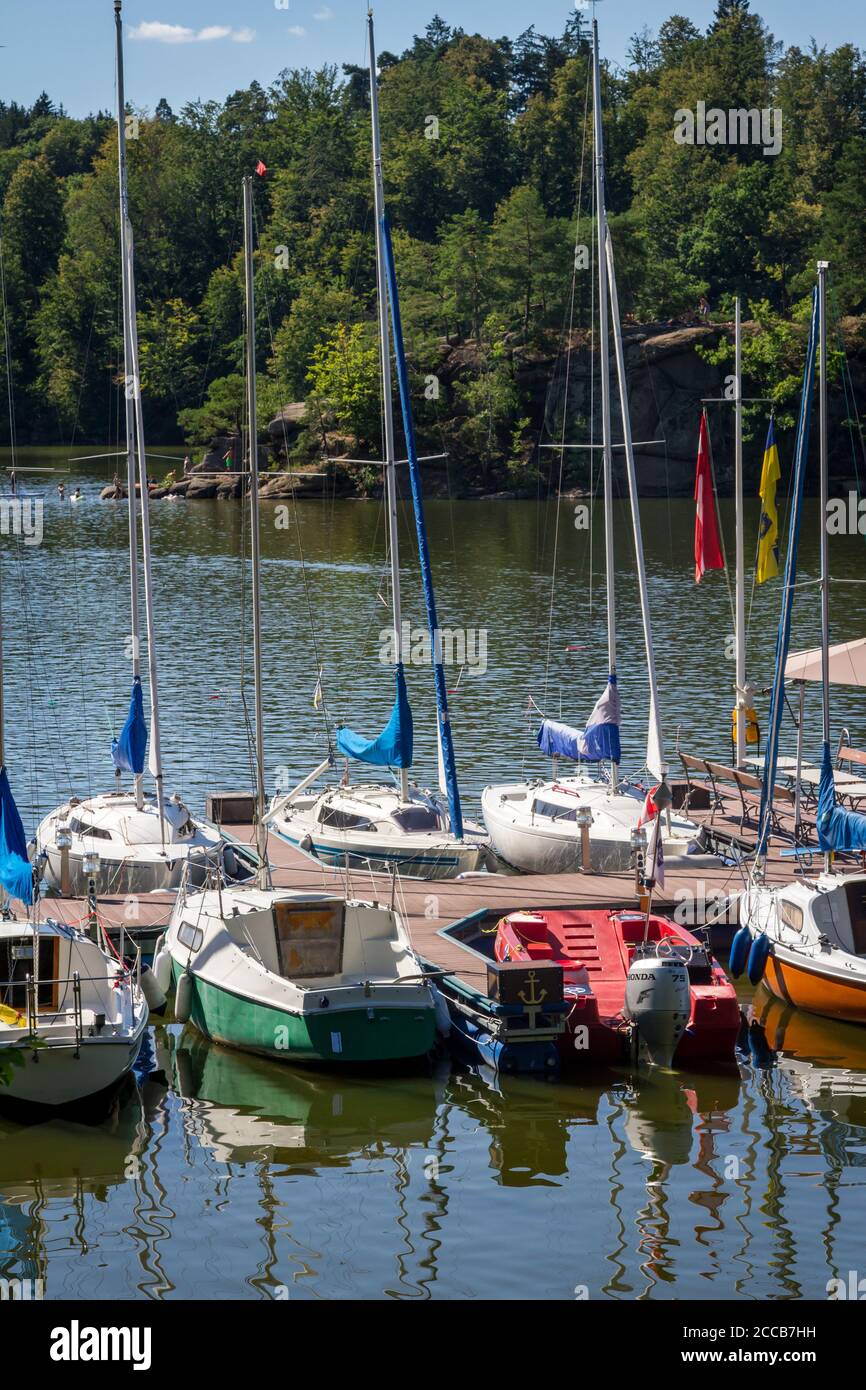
162	965
150	988
440	1012
183	998
658	1003
758	958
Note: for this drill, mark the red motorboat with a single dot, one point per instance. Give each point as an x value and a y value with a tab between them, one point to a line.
597	950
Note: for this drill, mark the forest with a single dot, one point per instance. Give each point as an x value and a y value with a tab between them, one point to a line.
487	155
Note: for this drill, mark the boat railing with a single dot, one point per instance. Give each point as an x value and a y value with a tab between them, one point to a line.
32	986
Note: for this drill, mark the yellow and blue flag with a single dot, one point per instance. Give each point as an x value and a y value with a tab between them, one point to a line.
768	530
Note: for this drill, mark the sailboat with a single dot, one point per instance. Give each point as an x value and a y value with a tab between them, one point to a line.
547	826
380	825
808	937
299	977
130	842
72	1010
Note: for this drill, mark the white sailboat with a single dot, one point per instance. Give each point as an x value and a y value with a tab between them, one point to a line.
131	842
374	824
72	1010
72	1014
294	976
586	820
807	938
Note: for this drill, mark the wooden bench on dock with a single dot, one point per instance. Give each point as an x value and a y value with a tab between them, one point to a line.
718	777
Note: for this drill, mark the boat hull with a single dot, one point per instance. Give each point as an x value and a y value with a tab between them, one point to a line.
343	1036
815	990
540	848
435	863
55	1077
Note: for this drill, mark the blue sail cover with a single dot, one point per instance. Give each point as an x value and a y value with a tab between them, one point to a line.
16	874
393	747
128	750
455	811
783	637
598	742
838	829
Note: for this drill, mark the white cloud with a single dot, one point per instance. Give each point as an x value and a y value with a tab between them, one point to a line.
157	32
298	30
324	12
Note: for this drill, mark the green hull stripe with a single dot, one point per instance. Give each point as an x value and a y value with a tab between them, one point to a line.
376	1034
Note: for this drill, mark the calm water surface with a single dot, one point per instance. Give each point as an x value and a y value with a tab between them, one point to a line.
223	1176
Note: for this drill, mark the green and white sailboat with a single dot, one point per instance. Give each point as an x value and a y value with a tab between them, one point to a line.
299	977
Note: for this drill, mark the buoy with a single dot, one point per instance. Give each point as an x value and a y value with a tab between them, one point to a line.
739	954
183	998
150	988
758	958
162	966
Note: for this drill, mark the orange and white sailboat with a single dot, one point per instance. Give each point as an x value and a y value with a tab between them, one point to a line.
807	938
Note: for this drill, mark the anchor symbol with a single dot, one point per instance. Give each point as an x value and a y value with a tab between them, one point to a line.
532	999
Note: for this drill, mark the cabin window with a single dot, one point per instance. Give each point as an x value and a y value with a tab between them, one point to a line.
554	811
80	827
344	820
16	963
190	936
309	939
791	915
412	818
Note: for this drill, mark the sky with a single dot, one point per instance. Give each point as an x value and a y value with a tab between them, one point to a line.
188	49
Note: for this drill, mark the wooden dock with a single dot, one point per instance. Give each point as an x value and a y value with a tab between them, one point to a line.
430	905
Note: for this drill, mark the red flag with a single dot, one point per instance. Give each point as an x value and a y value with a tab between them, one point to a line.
708	549
649	809
261	168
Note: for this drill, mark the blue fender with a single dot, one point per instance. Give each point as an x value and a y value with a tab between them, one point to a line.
739	953
758	958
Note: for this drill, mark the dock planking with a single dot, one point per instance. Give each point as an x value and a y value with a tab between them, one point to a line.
429	905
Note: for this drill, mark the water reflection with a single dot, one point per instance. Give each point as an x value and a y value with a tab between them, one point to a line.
223	1176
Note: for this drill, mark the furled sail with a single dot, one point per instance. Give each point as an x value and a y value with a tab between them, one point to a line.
128	750
598	742
838	829
393	747
783	637
16	874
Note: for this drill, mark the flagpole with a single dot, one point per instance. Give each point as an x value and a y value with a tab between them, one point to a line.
263	871
739	559
385	369
824	493
604	368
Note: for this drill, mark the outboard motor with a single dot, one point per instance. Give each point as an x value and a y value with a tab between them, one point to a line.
658	1003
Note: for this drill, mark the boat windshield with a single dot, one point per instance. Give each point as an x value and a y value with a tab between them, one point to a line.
344	820
553	810
412	818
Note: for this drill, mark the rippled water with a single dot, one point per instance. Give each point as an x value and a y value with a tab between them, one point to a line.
224	1176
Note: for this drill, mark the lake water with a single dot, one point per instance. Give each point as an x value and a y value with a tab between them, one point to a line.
222	1176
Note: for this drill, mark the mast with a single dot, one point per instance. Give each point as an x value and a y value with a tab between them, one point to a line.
655	756
134	388
739	562
128	391
824	491
263	871
385	369
444	721
604	366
